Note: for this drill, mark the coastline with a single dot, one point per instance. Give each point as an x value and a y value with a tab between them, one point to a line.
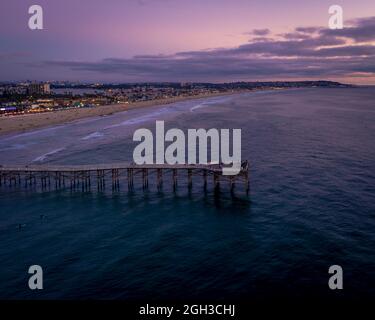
27	122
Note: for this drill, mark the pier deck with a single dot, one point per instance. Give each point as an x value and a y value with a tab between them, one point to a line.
82	176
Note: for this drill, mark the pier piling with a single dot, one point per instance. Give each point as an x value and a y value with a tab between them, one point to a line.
190	178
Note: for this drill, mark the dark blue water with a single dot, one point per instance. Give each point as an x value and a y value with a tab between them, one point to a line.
312	205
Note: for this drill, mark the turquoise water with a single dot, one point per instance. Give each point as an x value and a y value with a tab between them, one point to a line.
312	205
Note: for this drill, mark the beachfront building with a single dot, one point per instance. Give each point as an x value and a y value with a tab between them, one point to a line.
39	88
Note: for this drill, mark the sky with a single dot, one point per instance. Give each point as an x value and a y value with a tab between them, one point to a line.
195	40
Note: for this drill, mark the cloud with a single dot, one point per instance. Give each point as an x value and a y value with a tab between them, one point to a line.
259	32
360	30
308	29
306	52
295	36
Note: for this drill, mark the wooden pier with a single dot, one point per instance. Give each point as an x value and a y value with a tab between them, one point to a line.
84	177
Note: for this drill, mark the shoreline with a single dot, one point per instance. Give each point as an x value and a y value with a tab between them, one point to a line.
28	122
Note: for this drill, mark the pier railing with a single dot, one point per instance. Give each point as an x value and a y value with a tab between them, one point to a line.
86	176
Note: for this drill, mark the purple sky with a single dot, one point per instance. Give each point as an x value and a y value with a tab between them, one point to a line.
196	40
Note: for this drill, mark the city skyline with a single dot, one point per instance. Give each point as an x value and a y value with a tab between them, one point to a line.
215	41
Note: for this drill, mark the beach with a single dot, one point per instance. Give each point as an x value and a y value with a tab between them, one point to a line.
27	122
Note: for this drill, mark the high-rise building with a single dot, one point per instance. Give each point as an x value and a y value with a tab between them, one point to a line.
39	88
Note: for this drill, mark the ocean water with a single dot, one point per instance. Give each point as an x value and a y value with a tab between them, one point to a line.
311	205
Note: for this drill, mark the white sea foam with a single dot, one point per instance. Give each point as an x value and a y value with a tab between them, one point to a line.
48	154
93	135
208	104
140	119
198	106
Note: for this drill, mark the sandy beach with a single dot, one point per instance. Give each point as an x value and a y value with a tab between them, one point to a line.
27	122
